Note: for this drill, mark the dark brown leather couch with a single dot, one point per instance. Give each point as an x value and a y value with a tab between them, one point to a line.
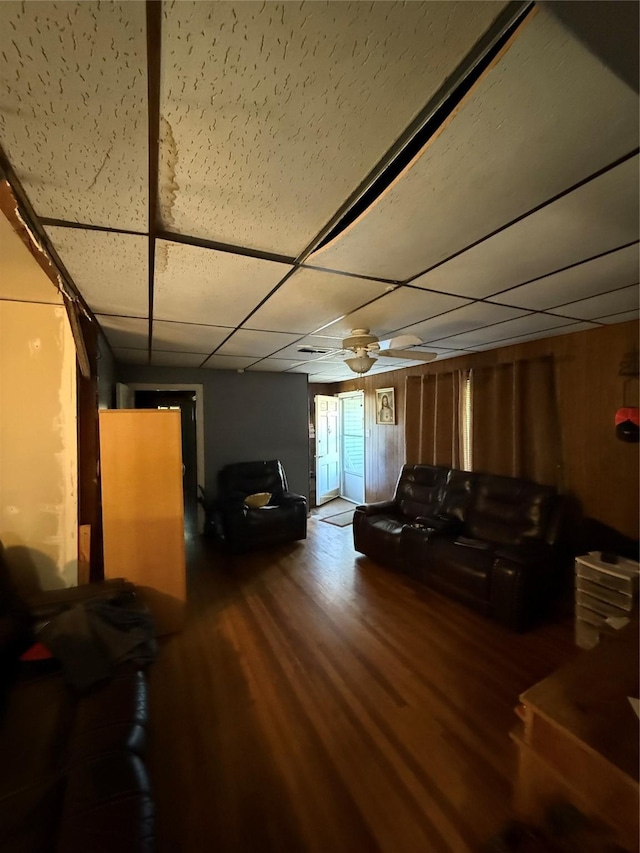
490	542
72	767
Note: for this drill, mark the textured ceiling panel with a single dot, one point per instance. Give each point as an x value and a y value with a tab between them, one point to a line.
313	342
258	344
320	367
123	355
620	318
545	117
460	321
187	337
311	299
569	329
110	270
509	329
125	332
598	216
21	277
229	362
274	365
73	108
176	359
609	272
258	98
405	305
203	285
615	302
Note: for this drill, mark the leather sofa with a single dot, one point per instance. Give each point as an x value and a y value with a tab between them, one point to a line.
73	776
489	541
283	519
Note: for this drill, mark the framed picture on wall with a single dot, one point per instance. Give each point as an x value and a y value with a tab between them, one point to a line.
385	406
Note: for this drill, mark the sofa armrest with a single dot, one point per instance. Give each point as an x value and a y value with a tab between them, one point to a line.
534	553
378	507
290	498
441	524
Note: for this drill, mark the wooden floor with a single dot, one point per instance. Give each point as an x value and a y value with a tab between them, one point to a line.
319	702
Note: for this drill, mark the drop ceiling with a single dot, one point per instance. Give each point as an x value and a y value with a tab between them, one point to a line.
516	219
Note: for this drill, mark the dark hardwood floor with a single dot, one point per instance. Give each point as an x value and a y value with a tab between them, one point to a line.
318	702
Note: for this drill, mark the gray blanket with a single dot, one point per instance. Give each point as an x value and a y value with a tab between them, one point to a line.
91	638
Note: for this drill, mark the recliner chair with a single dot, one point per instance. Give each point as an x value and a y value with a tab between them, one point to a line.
283	519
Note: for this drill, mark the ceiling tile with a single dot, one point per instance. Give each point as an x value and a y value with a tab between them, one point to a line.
229	362
257	344
74	109
187	337
176	359
217	288
395	310
125	355
460	321
125	332
519	138
322	344
509	329
318	367
274	365
615	302
110	270
310	299
274	90
569	329
608	272
624	317
598	216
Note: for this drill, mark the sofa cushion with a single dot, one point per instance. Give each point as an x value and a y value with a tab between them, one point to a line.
420	489
509	511
107	807
461	566
458	494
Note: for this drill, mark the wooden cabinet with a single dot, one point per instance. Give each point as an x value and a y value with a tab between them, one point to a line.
579	739
142	501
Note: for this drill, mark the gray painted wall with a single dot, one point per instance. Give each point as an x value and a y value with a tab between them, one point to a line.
247	416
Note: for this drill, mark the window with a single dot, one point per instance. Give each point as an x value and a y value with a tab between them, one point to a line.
466	421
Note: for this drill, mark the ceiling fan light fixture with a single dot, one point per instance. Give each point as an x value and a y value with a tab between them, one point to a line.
361	363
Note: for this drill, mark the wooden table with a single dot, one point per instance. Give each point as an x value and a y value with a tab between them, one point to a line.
578	741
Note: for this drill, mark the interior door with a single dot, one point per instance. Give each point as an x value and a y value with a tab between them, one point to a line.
327	449
352	441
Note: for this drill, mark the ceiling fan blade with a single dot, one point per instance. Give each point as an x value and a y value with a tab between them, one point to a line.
400	342
409	355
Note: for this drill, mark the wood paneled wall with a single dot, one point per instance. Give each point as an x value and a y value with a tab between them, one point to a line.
599	469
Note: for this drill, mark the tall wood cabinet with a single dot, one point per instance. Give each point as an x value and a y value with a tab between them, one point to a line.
142	502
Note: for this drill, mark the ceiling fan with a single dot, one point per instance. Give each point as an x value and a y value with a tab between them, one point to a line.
364	347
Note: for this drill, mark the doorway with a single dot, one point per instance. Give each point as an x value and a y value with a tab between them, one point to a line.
185	403
340	435
352	446
327	449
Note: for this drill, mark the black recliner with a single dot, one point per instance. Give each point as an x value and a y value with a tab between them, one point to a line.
283	519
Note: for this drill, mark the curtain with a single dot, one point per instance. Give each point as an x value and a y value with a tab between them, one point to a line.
432	419
516	428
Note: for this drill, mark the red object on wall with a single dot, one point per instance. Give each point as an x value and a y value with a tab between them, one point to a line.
628	423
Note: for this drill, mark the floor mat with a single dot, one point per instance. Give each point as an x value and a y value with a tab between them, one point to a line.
342	519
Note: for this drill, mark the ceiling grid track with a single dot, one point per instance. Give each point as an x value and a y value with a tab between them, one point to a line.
154	35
